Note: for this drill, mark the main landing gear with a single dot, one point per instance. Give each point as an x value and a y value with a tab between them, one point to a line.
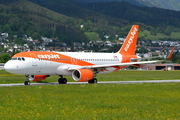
94	80
62	80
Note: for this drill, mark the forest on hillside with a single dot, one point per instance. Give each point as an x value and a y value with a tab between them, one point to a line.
122	14
62	19
22	17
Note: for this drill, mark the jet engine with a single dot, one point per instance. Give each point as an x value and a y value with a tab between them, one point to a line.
37	77
82	75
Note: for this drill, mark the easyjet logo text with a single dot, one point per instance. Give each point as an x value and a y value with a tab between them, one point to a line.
130	41
50	56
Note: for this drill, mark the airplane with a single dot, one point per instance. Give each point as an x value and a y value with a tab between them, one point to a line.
82	66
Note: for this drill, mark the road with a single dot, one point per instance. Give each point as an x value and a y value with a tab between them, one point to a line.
101	82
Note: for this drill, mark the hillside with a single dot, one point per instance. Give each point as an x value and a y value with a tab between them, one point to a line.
62	19
134	13
166	4
123	13
23	17
130	1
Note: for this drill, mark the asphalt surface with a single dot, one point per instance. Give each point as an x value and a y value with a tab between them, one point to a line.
101	82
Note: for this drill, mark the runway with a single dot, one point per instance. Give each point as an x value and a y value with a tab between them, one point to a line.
100	82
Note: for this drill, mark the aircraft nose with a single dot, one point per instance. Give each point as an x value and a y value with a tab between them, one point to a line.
7	67
14	68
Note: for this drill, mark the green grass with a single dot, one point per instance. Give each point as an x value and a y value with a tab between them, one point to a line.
129	75
92	36
149	101
91	102
159	35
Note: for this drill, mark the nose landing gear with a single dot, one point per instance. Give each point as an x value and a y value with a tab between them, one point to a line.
27	83
28	78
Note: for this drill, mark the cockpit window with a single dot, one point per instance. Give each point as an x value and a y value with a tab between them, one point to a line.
19	58
14	59
23	59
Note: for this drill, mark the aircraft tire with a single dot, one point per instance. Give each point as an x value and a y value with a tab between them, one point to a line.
62	80
94	80
26	83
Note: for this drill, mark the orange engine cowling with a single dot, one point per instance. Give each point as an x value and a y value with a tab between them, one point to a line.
82	75
40	77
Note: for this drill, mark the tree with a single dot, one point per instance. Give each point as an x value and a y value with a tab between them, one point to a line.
4	57
1	48
20	41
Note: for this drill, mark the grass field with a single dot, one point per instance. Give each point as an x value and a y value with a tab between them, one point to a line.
95	37
92	36
155	101
123	75
159	35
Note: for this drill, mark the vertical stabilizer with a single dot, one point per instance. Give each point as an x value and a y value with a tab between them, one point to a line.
129	45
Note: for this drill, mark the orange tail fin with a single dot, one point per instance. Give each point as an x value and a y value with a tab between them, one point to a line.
129	45
171	53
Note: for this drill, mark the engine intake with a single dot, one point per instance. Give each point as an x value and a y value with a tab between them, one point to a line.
82	75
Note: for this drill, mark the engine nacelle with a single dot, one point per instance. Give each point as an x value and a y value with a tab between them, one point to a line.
37	77
82	75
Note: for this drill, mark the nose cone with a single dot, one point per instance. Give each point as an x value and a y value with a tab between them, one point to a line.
7	67
10	67
15	67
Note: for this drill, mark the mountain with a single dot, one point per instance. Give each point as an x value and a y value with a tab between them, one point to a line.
62	19
113	13
132	13
166	4
130	1
20	17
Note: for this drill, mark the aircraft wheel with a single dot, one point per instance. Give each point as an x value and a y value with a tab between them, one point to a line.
62	80
94	80
26	83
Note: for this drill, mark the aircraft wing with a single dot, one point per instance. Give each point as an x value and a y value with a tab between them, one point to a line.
109	65
169	56
146	58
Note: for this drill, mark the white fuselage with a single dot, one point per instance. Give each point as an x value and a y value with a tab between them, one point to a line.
42	64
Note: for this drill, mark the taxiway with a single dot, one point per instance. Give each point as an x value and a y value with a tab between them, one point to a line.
100	82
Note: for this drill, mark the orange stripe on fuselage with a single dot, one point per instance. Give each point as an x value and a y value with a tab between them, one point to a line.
53	56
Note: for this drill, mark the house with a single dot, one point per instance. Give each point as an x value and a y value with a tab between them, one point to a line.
45	39
4	35
121	39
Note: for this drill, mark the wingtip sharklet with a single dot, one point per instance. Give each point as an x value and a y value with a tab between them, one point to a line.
171	53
